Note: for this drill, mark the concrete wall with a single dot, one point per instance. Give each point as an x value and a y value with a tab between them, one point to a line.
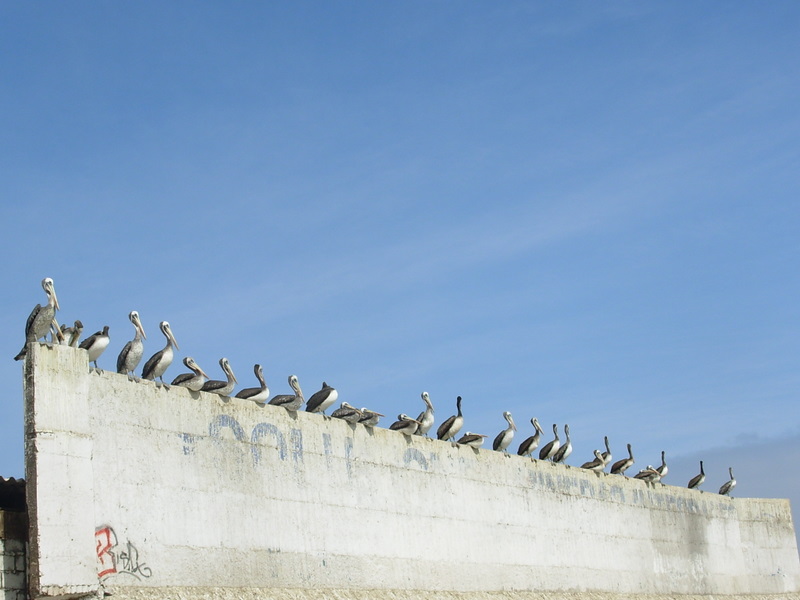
143	490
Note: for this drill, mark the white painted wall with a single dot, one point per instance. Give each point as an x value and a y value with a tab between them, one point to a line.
155	488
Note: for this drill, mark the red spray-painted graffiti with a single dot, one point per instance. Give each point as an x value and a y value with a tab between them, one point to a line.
116	559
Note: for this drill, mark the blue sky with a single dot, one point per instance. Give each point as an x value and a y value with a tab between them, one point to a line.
583	212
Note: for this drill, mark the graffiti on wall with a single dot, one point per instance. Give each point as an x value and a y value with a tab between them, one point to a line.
114	558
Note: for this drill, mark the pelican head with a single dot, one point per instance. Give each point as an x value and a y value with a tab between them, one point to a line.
294	384
192	365
372	412
165	329
134	317
50	290
510	420
405	417
536	426
226	366
427	400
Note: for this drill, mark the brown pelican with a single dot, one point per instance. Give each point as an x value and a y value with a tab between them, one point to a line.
320	401
95	345
663	469
405	425
425	418
527	447
695	481
369	418
596	465
473	440
38	324
505	437
649	474
194	380
566	448
619	467
607	454
156	365
726	488
131	354
291	402
347	413
223	388
450	428
72	335
259	394
551	447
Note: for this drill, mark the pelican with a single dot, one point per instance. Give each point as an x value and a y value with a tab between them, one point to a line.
527	447
695	481
96	344
291	402
596	465
348	413
726	488
619	467
551	447
72	335
320	401
38	324
473	440
194	380
566	448
450	428
425	418
607	454
649	474
259	394
405	425
663	469
223	388
131	354
156	365
505	437
369	418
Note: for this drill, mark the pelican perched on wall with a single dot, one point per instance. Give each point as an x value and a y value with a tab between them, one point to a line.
531	443
663	469
649	474
697	480
323	399
38	324
473	440
223	388
566	448
369	418
131	354
194	380
259	394
72	335
96	344
291	402
450	428
157	365
551	447
726	488
425	418
596	465
405	425
348	413
505	437
619	467
607	457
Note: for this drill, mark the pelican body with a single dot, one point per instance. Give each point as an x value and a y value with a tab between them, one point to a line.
157	365
259	394
550	448
223	388
607	457
425	418
369	418
473	440
505	437
566	448
527	447
697	480
619	467
663	469
450	428
650	474
132	353
322	400
596	465
348	413
194	380
726	488
291	402
72	335
96	344
38	324
405	425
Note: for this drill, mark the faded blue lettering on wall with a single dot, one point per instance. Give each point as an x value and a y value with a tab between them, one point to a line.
215	427
296	444
415	455
260	431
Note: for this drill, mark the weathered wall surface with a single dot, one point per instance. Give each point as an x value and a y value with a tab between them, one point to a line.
143	489
13	537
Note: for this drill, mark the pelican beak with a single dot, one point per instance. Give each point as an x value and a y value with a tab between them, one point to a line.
172	337
513	425
55	298
138	325
233	376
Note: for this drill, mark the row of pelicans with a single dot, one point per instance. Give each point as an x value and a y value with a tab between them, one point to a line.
42	321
